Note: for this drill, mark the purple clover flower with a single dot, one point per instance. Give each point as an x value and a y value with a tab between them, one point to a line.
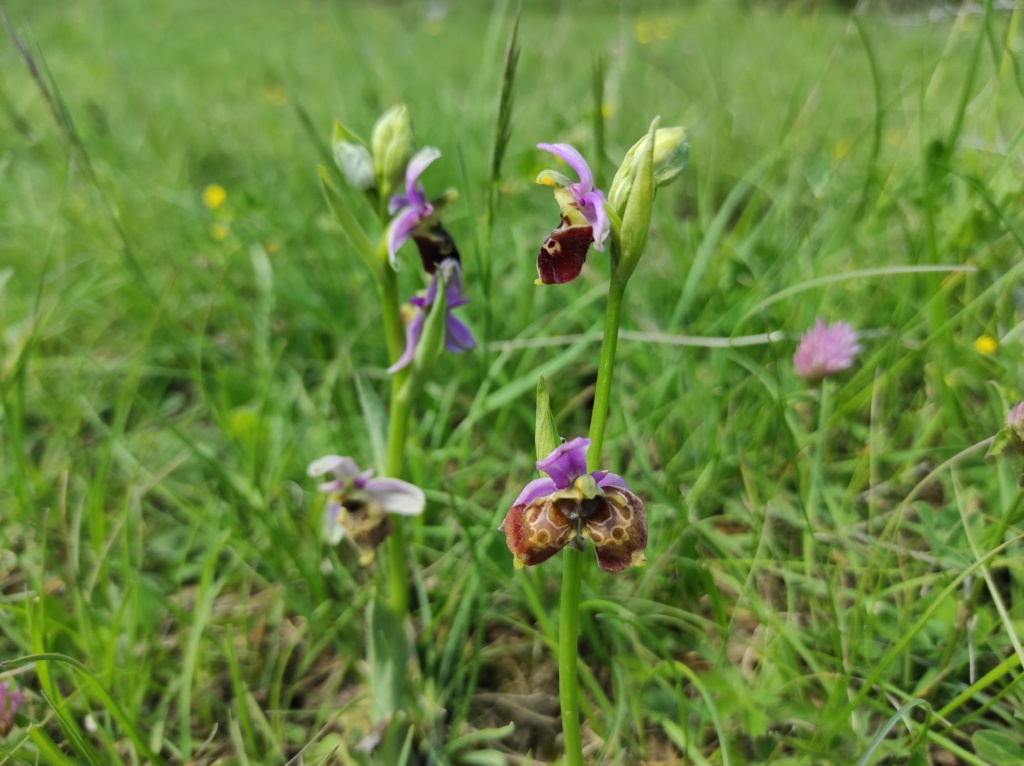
584	219
10	699
358	505
825	350
572	505
457	337
418	219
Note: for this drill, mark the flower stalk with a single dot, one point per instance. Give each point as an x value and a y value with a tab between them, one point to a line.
572	562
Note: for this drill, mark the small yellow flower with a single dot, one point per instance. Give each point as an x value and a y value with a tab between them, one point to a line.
214	196
842	148
986	344
219	231
644	31
276	94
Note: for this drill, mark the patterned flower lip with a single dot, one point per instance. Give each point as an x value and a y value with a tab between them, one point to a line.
572	506
358	504
584	220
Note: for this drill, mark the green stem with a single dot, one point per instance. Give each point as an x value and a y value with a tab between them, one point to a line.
572	560
602	396
398	424
568	637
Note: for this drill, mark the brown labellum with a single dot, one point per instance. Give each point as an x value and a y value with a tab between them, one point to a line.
537	531
435	245
564	252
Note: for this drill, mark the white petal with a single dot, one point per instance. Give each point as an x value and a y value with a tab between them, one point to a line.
341	467
397	496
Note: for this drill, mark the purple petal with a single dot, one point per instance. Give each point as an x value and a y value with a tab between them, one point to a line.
417	164
400	230
457	337
397	496
360	481
825	350
412	337
342	467
432	290
535	489
592	205
575	160
567	462
607	479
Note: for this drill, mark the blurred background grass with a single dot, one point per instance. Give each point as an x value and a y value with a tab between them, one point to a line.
169	370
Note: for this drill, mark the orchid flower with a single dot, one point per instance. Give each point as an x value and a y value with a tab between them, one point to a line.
457	336
358	505
419	219
584	219
825	350
572	505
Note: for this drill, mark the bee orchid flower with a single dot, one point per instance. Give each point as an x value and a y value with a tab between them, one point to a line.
358	504
573	505
457	336
419	219
584	220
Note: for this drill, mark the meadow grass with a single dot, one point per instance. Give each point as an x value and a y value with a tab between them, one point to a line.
834	571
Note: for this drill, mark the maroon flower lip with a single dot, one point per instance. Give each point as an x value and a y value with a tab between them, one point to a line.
563	253
584	219
573	506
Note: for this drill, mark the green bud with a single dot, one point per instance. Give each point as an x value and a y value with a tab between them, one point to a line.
353	158
671	155
637	203
392	147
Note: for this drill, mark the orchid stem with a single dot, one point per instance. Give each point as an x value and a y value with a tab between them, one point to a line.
572	560
602	395
568	638
398	423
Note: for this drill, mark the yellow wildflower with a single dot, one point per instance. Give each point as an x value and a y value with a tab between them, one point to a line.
214	196
986	344
644	31
219	231
842	148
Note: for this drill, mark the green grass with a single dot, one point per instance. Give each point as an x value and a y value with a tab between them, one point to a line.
161	390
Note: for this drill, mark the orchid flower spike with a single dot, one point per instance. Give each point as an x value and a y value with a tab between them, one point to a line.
457	336
418	219
584	219
825	350
358	505
572	505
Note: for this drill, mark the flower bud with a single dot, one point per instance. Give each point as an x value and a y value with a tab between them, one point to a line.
671	155
637	202
353	158
392	147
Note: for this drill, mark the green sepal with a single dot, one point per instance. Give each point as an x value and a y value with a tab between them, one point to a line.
341	133
350	225
545	432
434	327
354	160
